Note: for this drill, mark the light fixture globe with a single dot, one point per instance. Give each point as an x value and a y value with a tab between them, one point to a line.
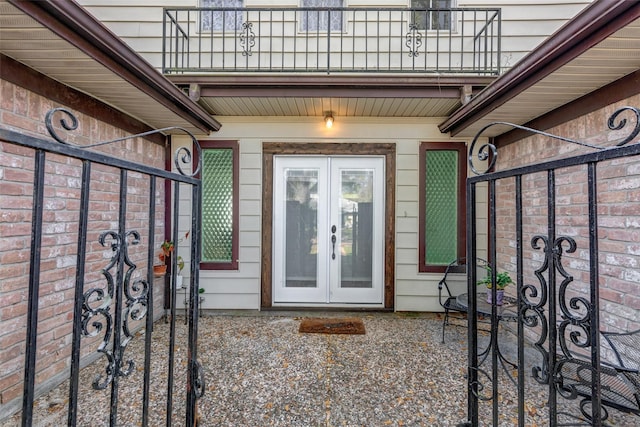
328	120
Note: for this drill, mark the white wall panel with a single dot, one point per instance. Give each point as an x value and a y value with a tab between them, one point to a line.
414	291
524	23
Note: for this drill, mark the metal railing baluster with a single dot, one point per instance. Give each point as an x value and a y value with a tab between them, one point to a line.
373	39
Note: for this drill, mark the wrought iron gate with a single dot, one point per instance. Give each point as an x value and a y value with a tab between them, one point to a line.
557	362
112	311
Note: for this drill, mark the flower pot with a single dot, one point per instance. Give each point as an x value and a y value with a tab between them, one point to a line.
159	270
499	296
178	282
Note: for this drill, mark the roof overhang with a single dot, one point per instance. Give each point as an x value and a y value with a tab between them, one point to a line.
59	39
600	46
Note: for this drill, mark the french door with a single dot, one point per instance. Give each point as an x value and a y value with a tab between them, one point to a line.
328	230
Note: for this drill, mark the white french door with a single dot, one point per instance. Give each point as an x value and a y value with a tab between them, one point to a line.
328	230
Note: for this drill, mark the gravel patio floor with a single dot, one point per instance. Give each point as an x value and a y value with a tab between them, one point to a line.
260	371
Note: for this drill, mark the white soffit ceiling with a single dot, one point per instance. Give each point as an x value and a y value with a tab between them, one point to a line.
611	59
27	41
315	106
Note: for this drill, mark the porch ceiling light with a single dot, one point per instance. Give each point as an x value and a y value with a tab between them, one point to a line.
328	119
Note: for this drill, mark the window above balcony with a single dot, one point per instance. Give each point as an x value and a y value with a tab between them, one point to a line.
322	15
214	19
435	15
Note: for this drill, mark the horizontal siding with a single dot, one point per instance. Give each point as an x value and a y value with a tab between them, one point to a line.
407	256
224	286
406	240
427	286
414	290
415	303
525	24
237	289
239	301
407	209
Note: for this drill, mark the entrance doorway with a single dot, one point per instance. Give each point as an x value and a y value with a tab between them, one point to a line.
328	229
386	233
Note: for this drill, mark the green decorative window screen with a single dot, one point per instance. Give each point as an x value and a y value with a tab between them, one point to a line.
442	214
219	205
441	182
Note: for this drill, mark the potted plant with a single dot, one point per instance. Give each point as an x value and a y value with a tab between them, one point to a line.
159	269
166	248
502	281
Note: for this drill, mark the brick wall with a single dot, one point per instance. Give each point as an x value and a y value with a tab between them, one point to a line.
618	184
24	111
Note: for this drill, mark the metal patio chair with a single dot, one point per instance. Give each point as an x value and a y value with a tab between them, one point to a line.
619	378
447	300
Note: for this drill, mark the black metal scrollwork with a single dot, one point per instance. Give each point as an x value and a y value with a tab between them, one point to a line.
533	310
48	120
198	379
622	123
413	40
488	151
576	315
182	158
98	303
96	308
478	387
247	38
136	296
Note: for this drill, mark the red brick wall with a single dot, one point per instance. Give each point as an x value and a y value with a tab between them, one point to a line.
618	184
24	111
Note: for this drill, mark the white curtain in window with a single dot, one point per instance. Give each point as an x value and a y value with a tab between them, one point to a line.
218	20
321	20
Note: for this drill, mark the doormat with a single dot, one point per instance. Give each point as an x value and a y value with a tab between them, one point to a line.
339	325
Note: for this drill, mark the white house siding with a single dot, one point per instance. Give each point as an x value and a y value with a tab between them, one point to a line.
139	23
241	289
233	289
525	24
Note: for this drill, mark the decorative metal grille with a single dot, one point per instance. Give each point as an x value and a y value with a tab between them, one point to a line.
107	318
217	205
441	210
558	334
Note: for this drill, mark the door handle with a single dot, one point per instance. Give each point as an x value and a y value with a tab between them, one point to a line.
333	242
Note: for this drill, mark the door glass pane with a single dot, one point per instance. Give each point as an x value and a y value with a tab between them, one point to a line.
356	211
301	228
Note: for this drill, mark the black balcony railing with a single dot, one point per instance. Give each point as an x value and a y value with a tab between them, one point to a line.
396	40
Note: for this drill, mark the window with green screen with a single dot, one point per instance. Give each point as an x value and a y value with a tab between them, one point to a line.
219	205
442	214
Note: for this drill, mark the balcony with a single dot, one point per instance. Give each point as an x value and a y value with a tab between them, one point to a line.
450	41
